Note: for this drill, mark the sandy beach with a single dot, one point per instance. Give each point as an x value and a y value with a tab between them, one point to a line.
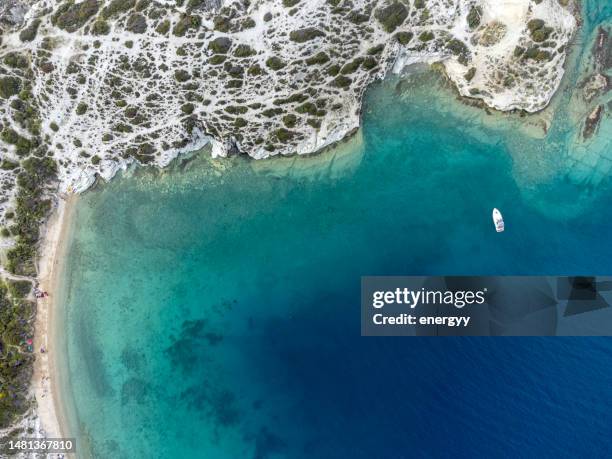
45	382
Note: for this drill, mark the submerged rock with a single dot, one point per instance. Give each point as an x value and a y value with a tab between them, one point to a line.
595	85
602	49
592	122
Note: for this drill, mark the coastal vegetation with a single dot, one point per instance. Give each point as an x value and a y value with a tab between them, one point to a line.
539	31
34	170
9	86
31	208
71	16
16	356
29	33
306	34
392	16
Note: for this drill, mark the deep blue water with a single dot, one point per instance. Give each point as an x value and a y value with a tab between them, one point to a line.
212	310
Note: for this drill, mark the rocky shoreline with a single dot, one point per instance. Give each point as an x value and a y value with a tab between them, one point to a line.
123	81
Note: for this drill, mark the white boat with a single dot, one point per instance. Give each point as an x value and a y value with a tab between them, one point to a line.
498	220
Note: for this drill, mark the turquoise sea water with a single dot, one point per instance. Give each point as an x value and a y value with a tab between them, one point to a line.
212	309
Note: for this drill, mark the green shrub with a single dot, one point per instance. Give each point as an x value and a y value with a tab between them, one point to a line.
289	120
222	23
100	27
333	70
16	60
537	54
272	112
306	34
426	36
369	63
391	16
19	288
9	86
350	67
243	50
457	47
186	23
30	32
255	70
240	122
293	98
248	23
123	128
469	75
542	34
315	123
535	24
142	5
8	165
145	153
81	108
136	23
376	49
404	37
117	7
235	71
236	109
320	58
9	136
275	63
342	82
308	108
284	135
72	16
188	108
182	75
358	17
217	59
23	146
131	112
220	45
163	27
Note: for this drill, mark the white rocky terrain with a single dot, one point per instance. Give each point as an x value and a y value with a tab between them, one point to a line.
117	80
